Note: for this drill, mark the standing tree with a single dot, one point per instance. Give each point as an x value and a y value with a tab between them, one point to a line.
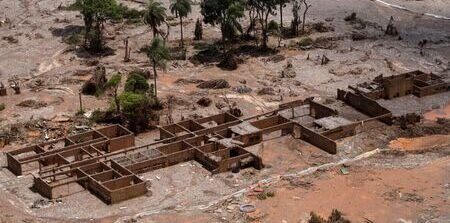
282	4
95	13
296	8
181	8
113	83
251	16
155	15
158	55
198	32
307	6
225	13
264	8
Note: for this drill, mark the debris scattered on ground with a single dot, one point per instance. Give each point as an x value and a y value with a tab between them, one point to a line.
242	89
288	71
266	91
214	84
358	35
204	101
10	39
230	62
40	203
276	58
344	170
236	112
335	217
188	81
321	27
96	83
247	208
31	103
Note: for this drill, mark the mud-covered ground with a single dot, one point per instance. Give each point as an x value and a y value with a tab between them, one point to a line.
407	183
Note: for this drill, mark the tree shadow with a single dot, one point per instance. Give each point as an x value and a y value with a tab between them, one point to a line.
74	35
67	31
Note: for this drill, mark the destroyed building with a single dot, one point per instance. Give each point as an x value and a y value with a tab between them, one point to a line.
106	161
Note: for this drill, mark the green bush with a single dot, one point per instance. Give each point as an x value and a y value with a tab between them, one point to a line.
136	83
137	110
2	106
305	41
273	25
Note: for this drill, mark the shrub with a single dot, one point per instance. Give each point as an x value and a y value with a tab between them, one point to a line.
137	110
2	106
136	83
305	41
273	26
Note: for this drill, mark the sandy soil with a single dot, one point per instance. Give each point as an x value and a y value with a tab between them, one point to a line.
438	113
366	193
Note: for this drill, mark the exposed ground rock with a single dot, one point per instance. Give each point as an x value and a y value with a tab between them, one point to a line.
214	84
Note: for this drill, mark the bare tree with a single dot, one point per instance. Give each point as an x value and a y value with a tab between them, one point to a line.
307	6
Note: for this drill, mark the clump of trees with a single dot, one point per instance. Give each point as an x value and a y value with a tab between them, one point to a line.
297	6
225	13
264	8
95	14
135	107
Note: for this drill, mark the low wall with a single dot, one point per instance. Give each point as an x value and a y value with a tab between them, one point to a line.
318	110
318	140
365	105
430	90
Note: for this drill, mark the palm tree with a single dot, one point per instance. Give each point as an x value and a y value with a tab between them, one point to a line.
181	8
155	15
158	55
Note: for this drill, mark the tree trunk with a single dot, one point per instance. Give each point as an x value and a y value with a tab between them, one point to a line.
116	100
304	21
223	39
181	27
304	15
155	30
281	15
155	75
